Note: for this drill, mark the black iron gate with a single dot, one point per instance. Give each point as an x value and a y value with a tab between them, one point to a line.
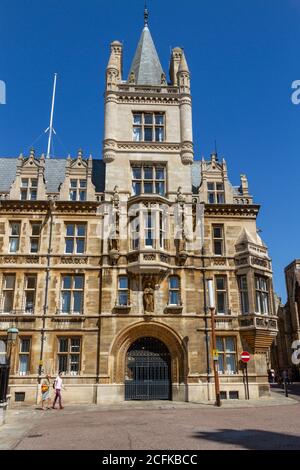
4	377
148	374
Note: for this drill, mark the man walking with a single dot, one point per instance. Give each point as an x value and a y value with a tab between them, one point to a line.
58	385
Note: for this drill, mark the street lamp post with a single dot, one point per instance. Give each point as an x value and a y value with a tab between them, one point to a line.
211	296
12	334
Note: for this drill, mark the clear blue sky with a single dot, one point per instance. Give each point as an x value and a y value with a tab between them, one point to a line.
243	54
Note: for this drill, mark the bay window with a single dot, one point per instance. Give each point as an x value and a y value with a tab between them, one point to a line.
262	295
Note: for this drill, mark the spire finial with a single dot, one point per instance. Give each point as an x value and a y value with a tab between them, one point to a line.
146	15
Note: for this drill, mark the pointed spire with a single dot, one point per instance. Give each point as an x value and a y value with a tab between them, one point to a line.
146	66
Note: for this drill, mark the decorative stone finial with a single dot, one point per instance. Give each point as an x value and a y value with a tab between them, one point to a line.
80	153
146	15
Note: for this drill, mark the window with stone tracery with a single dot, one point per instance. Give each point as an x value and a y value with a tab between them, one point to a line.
148	179
148	127
29	189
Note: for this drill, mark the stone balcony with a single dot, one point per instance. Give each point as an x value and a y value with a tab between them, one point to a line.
148	262
258	330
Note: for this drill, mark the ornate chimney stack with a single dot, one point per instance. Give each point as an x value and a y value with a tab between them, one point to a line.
114	67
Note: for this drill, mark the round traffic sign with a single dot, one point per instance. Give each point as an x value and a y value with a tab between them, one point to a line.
245	356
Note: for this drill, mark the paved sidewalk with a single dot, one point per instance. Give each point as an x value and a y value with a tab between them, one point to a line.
28	423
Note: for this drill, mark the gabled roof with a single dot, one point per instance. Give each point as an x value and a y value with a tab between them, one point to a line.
146	65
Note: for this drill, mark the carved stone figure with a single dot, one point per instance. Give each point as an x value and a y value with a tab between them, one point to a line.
182	242
132	78
113	244
148	298
116	197
180	197
163	79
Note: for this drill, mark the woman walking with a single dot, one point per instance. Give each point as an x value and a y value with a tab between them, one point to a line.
58	385
46	393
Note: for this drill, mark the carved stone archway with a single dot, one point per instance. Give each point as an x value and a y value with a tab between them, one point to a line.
175	344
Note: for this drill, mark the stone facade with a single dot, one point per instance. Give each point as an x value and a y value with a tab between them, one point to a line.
288	324
97	289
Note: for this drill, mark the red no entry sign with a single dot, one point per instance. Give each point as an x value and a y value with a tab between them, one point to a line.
245	356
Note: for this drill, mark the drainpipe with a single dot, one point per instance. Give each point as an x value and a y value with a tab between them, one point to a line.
99	336
99	323
45	308
206	324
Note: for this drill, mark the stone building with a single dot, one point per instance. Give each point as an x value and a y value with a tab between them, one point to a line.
104	263
288	325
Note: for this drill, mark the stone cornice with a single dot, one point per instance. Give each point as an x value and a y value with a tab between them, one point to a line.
231	210
151	98
149	146
16	206
149	198
9	205
77	207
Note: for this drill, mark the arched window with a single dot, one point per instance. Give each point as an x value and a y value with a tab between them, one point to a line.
174	290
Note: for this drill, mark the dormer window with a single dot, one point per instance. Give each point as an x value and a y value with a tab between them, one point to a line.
216	193
29	189
78	189
148	127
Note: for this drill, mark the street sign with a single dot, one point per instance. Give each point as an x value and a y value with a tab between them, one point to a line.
215	354
245	356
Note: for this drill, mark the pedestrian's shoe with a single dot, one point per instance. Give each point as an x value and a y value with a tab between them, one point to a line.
62	407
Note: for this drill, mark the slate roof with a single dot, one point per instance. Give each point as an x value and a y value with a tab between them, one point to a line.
146	64
54	173
55	169
8	168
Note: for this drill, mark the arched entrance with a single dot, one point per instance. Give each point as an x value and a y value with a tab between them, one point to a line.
148	370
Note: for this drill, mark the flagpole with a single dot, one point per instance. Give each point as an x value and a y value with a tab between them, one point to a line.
50	128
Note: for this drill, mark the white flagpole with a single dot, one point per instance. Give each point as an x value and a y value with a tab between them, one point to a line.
50	128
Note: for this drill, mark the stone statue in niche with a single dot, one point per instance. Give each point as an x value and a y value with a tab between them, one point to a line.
114	239
148	298
116	197
180	197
